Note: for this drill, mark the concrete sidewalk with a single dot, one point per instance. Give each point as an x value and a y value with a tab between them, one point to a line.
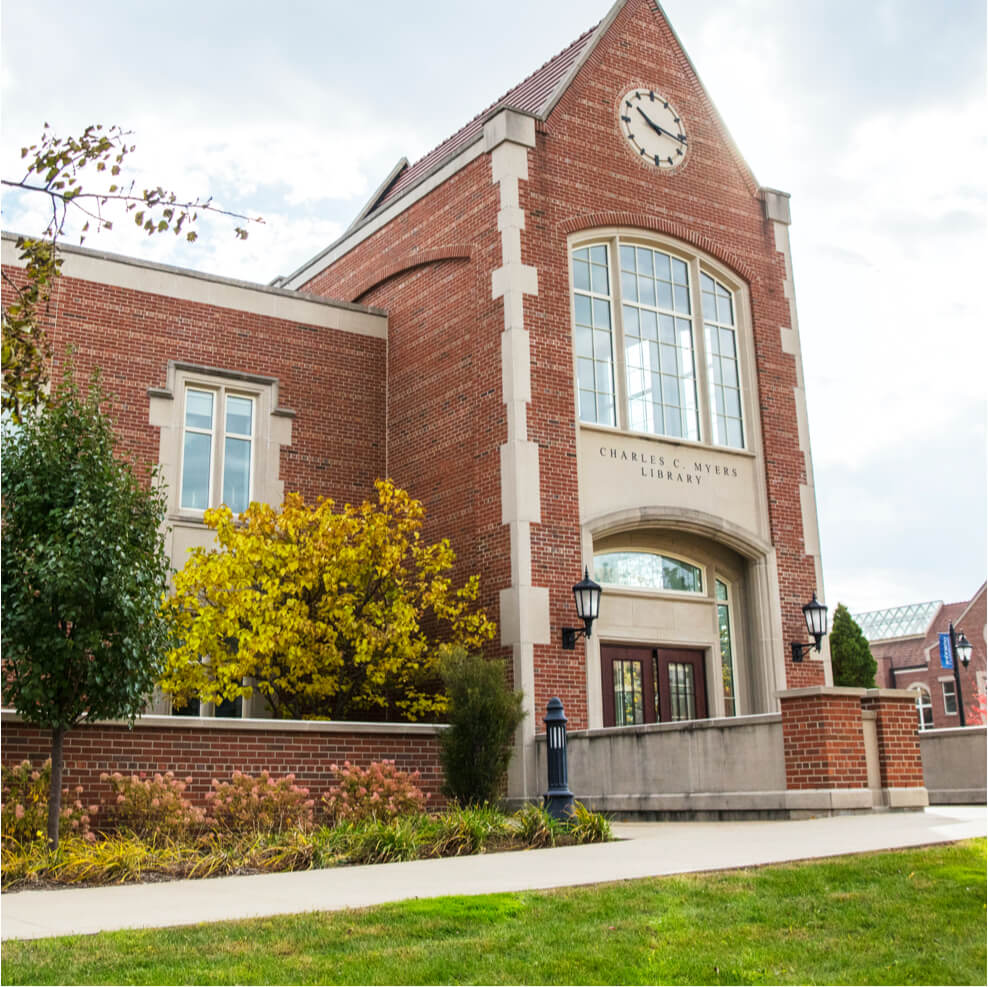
645	850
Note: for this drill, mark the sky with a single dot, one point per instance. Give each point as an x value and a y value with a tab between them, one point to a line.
872	115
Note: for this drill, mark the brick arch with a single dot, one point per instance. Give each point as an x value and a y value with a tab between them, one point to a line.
659	224
455	251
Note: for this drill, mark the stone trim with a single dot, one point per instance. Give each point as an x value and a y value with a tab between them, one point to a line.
455	251
207	723
209	289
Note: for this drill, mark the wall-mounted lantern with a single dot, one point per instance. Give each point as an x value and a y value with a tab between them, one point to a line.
815	615
586	594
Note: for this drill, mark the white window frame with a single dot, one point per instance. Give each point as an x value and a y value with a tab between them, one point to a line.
696	264
218	435
950	693
922	693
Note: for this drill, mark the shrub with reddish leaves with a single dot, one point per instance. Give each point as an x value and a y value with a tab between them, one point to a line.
152	805
379	792
261	804
24	810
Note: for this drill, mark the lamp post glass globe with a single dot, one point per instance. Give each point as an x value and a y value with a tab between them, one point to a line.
586	594
964	650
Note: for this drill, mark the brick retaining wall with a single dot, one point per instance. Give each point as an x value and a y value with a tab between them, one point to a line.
208	748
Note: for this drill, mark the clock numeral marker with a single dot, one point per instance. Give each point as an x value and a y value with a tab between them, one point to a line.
651	96
675	119
627	103
665	105
669	160
626	119
641	151
679	152
657	161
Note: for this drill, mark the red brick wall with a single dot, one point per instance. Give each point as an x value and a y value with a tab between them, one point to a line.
206	752
334	381
823	742
898	740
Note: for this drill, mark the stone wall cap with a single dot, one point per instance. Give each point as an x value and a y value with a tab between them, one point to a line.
972	729
682	726
275	726
824	691
909	694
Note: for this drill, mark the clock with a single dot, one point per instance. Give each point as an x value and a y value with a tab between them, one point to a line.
653	129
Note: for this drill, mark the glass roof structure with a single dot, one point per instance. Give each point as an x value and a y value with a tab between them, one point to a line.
906	621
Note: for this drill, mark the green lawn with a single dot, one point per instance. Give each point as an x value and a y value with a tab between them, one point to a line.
903	917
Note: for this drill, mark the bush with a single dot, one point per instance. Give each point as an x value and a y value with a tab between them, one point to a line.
24	810
458	832
152	806
380	792
536	828
483	716
262	804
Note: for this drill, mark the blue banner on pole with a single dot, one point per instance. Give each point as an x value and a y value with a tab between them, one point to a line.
946	655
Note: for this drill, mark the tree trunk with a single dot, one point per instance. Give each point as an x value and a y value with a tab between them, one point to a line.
55	790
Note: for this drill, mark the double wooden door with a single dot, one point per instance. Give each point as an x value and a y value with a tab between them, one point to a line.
652	685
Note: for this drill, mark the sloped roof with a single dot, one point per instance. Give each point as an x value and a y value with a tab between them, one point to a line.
533	95
910	620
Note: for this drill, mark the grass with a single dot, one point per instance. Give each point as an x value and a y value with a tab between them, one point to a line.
901	917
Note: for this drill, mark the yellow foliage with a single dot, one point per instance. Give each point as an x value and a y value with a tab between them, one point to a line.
321	611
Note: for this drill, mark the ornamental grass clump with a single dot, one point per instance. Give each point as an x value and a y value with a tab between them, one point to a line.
260	805
152	805
24	809
380	792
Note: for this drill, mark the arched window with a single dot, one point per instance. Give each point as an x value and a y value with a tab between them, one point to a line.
647	570
637	312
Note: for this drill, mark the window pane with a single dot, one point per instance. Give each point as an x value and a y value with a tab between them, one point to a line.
682	693
646	570
239	413
236	474
598	255
196	456
598	278
581	306
679	272
629	708
726	651
581	273
199	409
681	576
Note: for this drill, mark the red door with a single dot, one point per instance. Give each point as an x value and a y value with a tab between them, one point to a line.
649	685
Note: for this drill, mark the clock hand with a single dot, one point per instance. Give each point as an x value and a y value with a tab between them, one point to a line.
660	130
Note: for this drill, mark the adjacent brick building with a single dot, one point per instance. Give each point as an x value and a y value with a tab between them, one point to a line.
905	642
570	330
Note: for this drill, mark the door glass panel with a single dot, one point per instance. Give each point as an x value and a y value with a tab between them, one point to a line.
682	691
628	693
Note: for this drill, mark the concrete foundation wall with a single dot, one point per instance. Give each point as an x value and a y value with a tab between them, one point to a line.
954	765
722	768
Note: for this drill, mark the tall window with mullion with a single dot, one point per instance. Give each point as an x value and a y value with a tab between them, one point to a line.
207	464
726	649
722	363
658	343
594	335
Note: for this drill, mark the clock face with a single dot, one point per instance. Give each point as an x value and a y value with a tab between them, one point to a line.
653	129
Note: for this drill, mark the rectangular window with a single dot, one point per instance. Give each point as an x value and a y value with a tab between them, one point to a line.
629	707
682	691
949	698
594	337
726	651
214	460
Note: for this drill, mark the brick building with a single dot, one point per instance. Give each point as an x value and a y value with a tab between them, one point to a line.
570	330
905	642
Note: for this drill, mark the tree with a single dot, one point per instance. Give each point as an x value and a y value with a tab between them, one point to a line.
84	571
850	655
54	167
328	614
483	715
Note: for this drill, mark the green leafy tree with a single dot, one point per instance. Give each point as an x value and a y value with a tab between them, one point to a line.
327	614
483	715
84	571
850	655
54	170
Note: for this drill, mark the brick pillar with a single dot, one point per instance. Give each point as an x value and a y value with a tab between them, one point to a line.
824	747
899	758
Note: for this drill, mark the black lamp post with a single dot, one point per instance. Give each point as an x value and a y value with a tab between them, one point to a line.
815	615
558	800
586	594
960	648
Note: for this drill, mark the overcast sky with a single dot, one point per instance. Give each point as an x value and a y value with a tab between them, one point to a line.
872	114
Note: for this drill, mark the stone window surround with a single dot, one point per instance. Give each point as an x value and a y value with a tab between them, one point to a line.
698	262
272	429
